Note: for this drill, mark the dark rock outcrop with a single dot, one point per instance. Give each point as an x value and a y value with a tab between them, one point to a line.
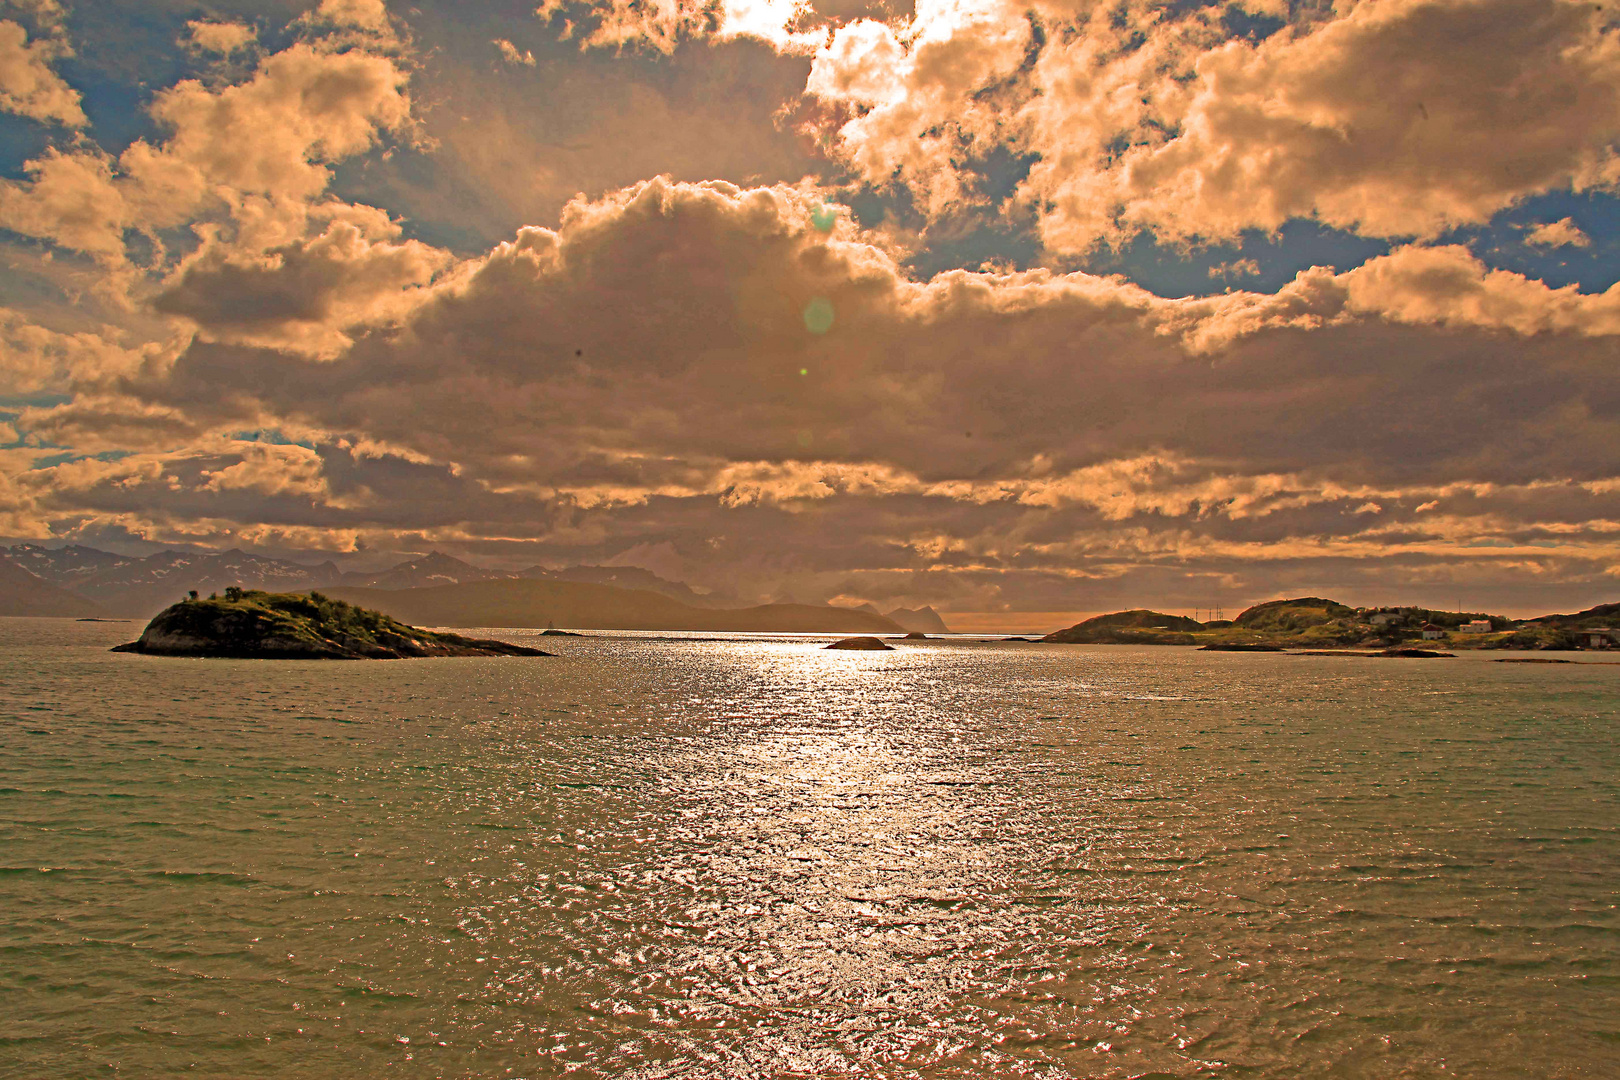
870	644
292	626
1416	654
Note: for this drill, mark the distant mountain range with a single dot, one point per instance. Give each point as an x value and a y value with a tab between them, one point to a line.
140	587
579	605
438	589
923	620
634	577
432	569
23	593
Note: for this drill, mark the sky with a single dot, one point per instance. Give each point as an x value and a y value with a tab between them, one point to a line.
1017	309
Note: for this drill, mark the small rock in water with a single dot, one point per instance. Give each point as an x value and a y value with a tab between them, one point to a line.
868	643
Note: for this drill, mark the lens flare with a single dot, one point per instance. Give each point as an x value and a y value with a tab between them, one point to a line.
818	315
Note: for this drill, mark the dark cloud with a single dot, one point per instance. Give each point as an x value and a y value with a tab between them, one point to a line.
645	374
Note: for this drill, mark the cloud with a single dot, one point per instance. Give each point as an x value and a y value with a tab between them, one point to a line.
257	153
269	470
1362	125
862	63
360	14
1561	233
922	107
661	25
222	38
28	85
47	14
1142	120
1448	286
1235	268
643	374
95	423
718	377
35	359
307	295
500	160
272	134
71	199
511	54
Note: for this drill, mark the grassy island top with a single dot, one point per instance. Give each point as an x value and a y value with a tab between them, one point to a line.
252	624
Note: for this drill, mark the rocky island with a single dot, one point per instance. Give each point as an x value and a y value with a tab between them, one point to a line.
248	624
1137	627
1313	623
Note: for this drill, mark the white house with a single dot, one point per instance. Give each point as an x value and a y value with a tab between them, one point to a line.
1477	626
1432	632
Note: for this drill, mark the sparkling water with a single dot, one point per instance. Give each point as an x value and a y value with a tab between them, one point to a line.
663	857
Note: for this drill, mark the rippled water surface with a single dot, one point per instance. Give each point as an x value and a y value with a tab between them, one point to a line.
754	858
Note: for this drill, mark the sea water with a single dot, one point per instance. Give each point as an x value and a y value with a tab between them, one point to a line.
662	857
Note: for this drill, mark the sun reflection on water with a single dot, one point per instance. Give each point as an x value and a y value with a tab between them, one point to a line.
844	899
